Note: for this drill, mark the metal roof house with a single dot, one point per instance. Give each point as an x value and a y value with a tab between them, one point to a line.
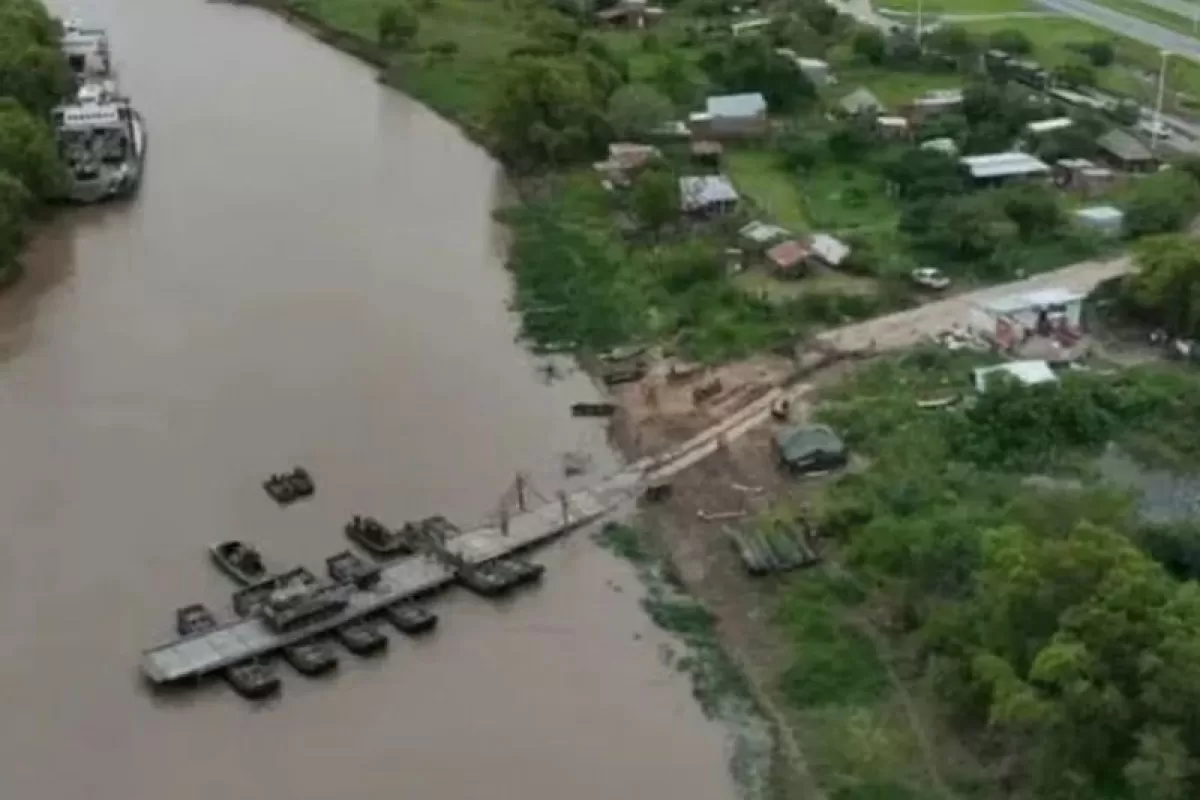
1124	151
707	194
731	116
997	168
861	101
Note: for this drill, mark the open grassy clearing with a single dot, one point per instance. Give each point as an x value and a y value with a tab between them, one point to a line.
758	175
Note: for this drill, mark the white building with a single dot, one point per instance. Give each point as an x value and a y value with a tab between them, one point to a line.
1002	167
1008	321
1028	373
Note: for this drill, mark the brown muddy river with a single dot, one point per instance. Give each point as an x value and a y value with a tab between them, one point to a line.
309	276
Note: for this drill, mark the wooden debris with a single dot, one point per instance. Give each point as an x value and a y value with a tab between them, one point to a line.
779	549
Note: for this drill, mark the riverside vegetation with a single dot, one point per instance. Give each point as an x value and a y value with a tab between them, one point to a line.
33	78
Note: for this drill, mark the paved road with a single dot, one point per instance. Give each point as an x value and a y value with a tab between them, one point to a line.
906	328
1181	7
1126	25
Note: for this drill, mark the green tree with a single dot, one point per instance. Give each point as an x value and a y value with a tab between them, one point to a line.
676	78
397	24
1011	40
1075	73
951	40
1100	53
655	198
1167	283
28	151
870	46
1161	203
33	74
916	173
1034	208
750	64
15	203
969	228
638	108
547	110
1161	767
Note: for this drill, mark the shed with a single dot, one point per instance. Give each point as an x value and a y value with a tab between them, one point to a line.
942	145
1124	151
1108	221
1043	126
1028	373
829	249
810	448
761	233
1001	167
816	70
787	256
712	194
861	101
937	101
892	127
1010	320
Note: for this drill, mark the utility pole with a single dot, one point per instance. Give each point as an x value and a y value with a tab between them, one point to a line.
1162	86
920	8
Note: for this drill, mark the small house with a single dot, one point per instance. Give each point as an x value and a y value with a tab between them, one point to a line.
944	145
630	13
827	250
933	103
1009	321
1107	221
1042	127
1124	151
892	127
625	159
861	101
810	448
999	168
707	194
1083	176
788	257
1027	373
762	234
731	116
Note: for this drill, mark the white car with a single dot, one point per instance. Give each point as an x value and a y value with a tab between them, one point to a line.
930	278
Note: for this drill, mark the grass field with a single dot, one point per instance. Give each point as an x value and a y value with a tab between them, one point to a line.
757	175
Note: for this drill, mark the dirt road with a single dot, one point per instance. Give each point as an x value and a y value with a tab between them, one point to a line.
906	328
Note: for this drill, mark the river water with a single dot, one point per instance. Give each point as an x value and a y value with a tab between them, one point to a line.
309	276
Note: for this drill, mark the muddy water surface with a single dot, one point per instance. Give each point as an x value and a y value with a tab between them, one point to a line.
309	276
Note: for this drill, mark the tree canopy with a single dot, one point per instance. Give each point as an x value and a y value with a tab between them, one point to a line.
33	79
1167	284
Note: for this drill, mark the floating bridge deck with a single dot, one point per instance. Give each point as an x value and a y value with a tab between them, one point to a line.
199	654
